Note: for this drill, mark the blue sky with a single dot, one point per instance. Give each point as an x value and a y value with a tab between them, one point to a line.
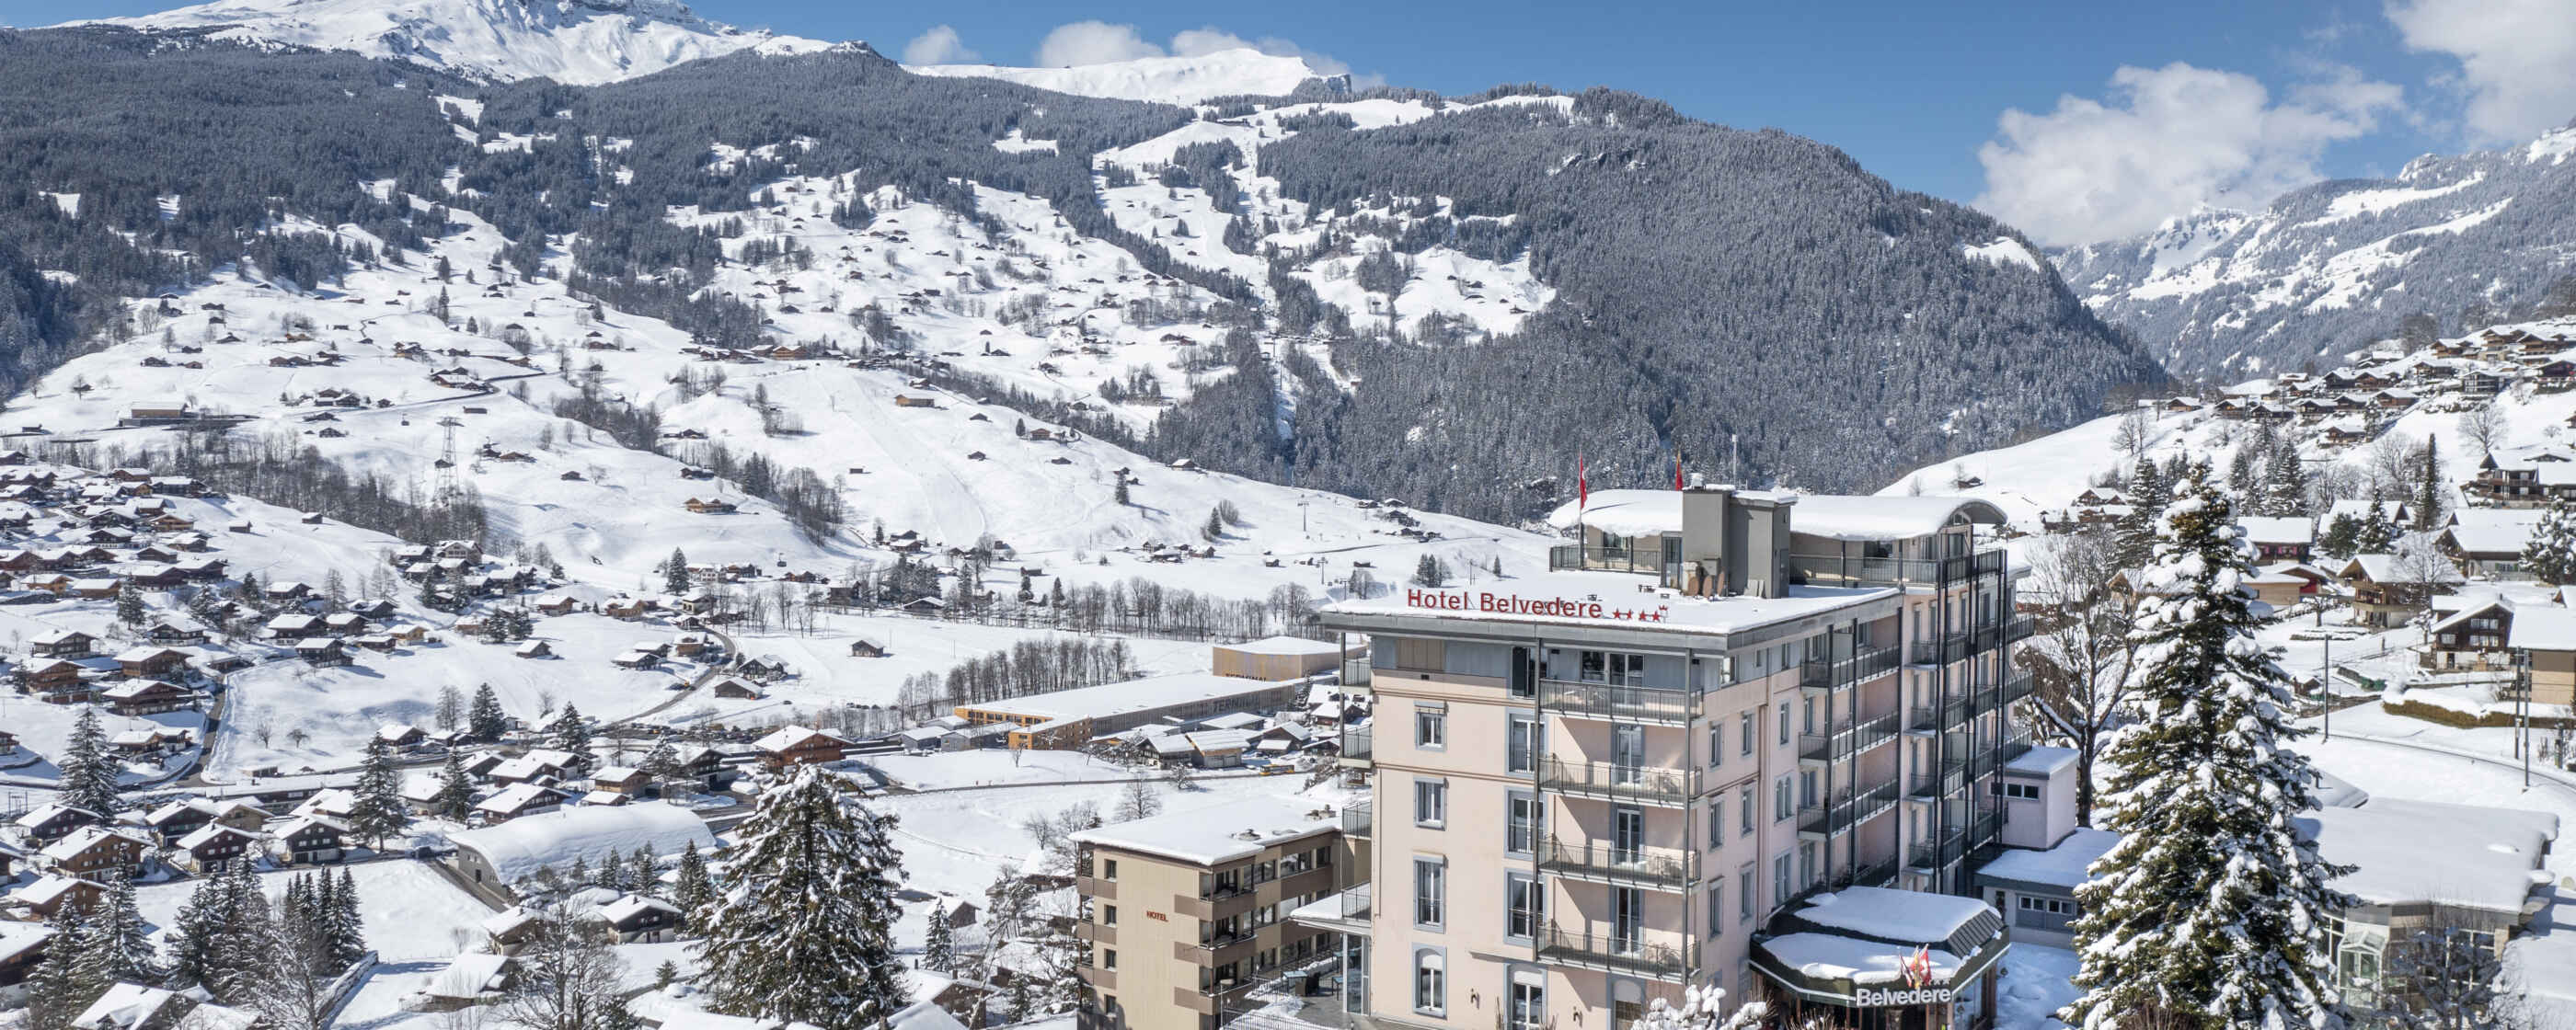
2023	108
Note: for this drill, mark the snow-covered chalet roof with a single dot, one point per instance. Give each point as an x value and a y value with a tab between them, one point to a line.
522	846
2543	629
1207	837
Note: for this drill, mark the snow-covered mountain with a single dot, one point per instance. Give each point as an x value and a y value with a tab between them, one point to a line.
1165	80
2326	269
578	42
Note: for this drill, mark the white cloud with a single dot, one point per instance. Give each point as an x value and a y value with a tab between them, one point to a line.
1096	42
2166	140
1093	42
940	45
2517	59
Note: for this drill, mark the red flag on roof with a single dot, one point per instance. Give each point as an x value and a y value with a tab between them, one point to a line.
1677	472
1582	483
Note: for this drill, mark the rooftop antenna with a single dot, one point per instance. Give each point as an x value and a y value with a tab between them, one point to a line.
1733	474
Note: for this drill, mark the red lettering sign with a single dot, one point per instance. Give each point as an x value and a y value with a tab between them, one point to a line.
1545	608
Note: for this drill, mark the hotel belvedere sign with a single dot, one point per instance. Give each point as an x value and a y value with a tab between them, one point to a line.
1874	999
1540	607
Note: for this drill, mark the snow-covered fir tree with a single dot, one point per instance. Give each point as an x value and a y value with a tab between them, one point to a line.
2135	533
117	947
89	772
693	890
2212	909
348	932
571	735
455	795
805	927
939	946
1703	1008
2550	554
55	994
484	718
380	811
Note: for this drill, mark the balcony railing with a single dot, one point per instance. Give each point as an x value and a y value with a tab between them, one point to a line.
1848	740
1359	818
1840	675
1668	957
1616	701
1847	570
1612	781
1355	902
1355	742
1955	841
1613	559
1670	869
1848	809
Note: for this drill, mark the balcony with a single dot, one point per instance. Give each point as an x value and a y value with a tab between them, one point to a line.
1608	781
1090	932
1213	996
1848	809
1847	740
1955	841
1613	701
1662	956
1359	818
1841	675
1355	745
1220	949
1667	869
1848	570
1586	558
2019	628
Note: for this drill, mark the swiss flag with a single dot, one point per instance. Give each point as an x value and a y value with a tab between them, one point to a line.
1582	483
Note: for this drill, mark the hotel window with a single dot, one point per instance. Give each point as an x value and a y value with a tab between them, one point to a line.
2052	906
1430	989
1744	811
1524	906
1521	746
1430	803
1744	894
1108	958
1716	743
1430	728
1108	915
1614	668
1521	821
1430	893
1716	906
1784	725
1108	869
1780	878
2017	791
1806	863
1744	734
1807	788
1780	799
1717	822
1809	716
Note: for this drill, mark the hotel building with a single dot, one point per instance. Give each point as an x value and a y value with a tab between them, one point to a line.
1733	738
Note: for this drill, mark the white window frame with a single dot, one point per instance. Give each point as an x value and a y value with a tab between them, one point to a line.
1430	802
1437	882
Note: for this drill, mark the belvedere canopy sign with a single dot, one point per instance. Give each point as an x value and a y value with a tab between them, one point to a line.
1541	607
1874	999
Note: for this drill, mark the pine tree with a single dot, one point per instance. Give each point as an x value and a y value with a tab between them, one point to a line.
939	948
380	811
232	968
2342	537
643	870
1120	494
129	607
571	735
2134	536
195	933
2285	482
2212	909
2550	554
55	993
89	775
611	873
117	947
1215	528
675	573
693	891
484	720
2428	489
455	796
806	929
450	713
348	930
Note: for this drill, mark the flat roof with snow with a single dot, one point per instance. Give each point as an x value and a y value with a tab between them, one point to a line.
1152	693
1284	646
1604	600
520	847
2405	852
2060	868
1238	830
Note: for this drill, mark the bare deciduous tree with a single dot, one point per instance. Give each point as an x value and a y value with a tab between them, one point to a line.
2081	654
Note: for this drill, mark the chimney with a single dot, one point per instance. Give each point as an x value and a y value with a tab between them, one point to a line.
1705	511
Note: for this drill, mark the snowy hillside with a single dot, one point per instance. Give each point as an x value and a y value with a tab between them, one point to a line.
2036	481
1161	80
2326	268
577	42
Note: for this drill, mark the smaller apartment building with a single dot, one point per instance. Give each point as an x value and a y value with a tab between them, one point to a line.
1185	913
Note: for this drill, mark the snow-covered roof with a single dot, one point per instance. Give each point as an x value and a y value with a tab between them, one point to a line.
1609	599
2062	866
2041	761
2539	628
1240	829
2494	530
2431	851
924	1015
1142	695
468	975
2278	529
1834	957
16	937
1893	914
1284	645
125	1006
522	846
